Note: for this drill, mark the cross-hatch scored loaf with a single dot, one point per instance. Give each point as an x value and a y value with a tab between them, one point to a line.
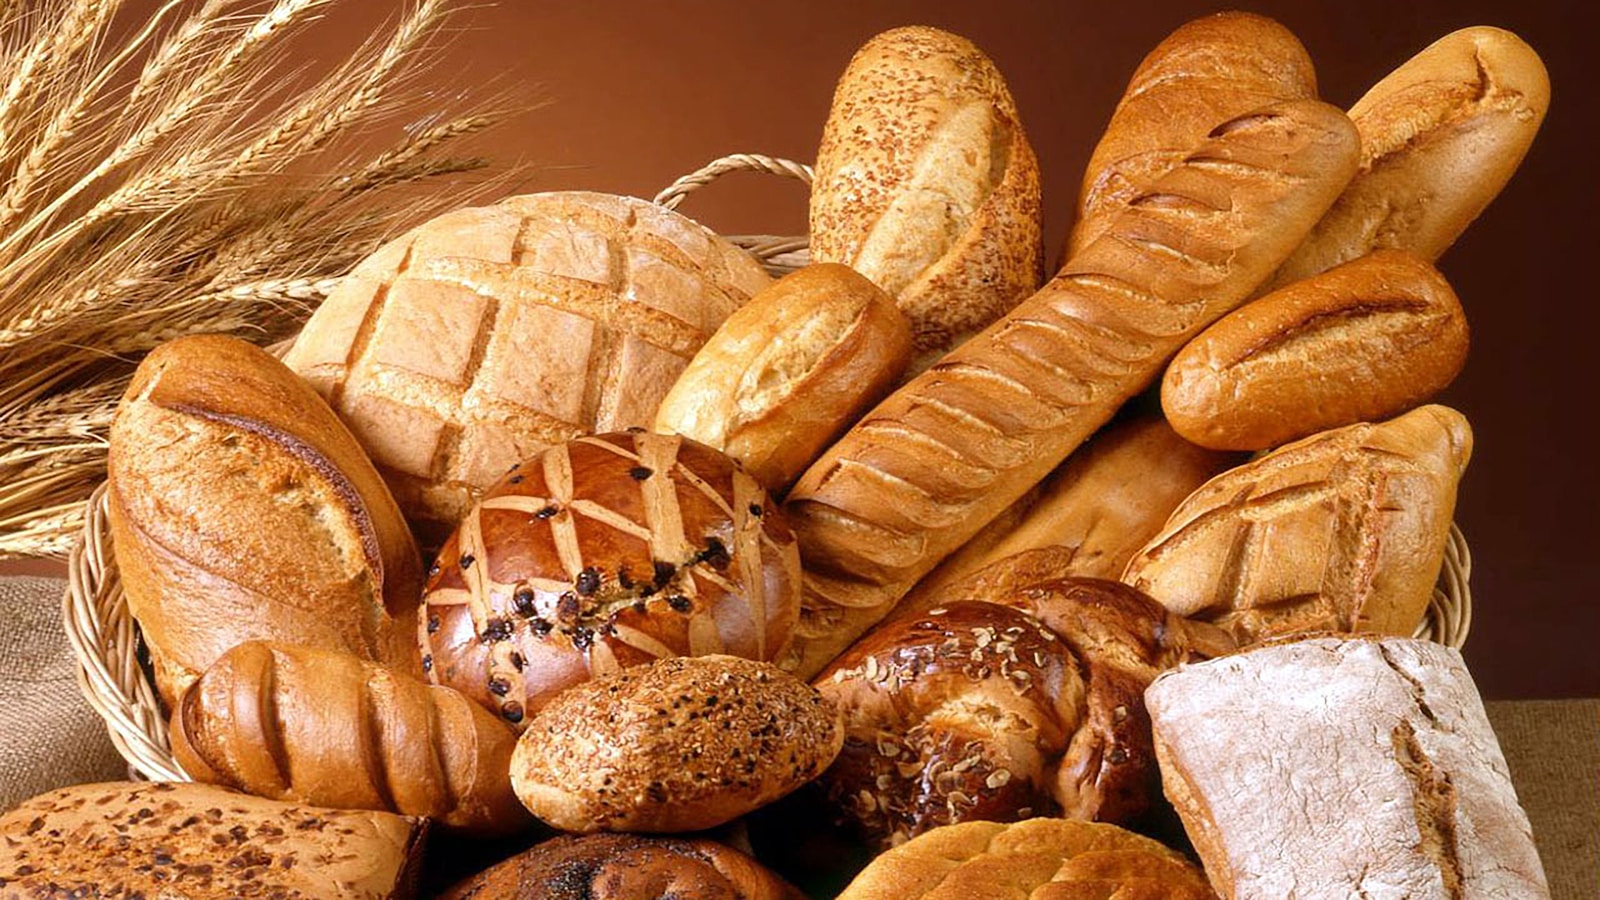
948	451
490	333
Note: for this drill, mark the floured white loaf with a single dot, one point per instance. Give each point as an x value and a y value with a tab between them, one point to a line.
1338	768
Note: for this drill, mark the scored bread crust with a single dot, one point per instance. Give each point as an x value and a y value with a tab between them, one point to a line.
956	445
1209	70
1440	136
926	184
1361	342
241	508
1332	767
1342	531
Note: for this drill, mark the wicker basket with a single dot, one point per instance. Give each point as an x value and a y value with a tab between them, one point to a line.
113	671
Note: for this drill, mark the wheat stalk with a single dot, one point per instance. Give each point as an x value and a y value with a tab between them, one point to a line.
186	175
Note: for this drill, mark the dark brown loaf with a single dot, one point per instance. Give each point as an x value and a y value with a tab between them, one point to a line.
605	552
1342	531
789	371
1440	136
952	448
926	184
625	867
1103	504
243	510
197	842
682	744
1333	768
1210	70
1358	343
324	728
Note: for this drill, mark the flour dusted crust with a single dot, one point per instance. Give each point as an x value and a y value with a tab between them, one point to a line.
490	333
1336	768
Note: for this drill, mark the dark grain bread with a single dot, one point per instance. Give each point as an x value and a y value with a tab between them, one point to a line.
198	842
243	510
1333	768
951	449
625	867
682	744
325	728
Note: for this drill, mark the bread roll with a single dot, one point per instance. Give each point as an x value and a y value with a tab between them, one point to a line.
241	509
789	371
488	334
198	842
625	867
1440	136
1040	859
926	184
320	727
1333	768
680	745
1343	531
1210	70
1358	343
1103	504
604	552
949	450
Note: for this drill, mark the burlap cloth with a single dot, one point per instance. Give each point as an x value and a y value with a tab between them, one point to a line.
50	737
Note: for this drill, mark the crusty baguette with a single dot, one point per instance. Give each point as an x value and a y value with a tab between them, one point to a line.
328	729
1330	768
1361	342
953	447
1440	136
1208	71
1343	531
1101	506
789	371
926	184
242	509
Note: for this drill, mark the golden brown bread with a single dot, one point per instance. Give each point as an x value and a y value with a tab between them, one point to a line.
1103	504
789	371
242	509
953	447
1040	859
1342	531
1361	342
682	744
604	552
1440	136
1210	70
197	842
324	728
625	867
490	333
1332	768
926	184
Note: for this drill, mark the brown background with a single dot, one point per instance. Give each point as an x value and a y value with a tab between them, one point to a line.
640	92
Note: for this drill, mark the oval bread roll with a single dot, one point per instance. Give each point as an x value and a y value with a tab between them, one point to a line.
325	728
789	371
1358	343
1440	136
926	184
679	745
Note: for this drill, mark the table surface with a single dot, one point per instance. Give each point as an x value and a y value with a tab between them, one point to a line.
636	93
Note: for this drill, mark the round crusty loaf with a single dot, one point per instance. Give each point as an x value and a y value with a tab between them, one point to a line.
680	745
487	334
790	371
605	552
1358	343
1040	859
625	867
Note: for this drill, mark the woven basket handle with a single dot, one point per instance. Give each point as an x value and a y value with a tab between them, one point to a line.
780	254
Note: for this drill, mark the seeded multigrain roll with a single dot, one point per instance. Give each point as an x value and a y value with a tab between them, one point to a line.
683	744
